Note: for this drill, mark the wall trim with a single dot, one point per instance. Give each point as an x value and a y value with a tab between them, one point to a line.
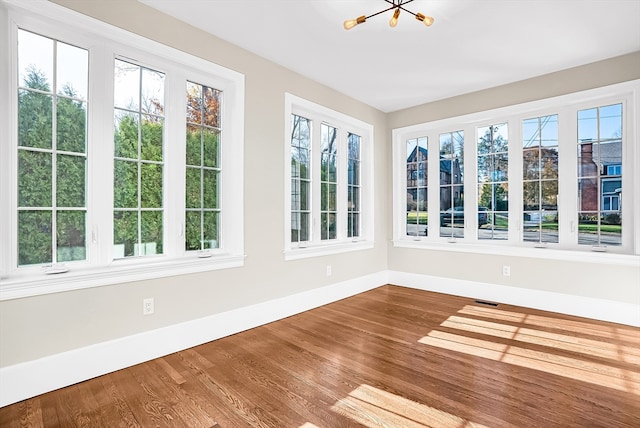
588	307
31	378
25	380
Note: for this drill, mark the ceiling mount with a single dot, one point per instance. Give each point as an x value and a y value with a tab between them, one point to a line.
396	6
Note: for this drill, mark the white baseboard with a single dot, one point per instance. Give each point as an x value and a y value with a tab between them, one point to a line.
588	307
25	380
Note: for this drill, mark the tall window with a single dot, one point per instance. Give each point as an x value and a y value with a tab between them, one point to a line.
600	175
202	167
452	184
328	181
52	150
353	186
417	157
115	175
540	179
493	186
328	178
139	160
300	179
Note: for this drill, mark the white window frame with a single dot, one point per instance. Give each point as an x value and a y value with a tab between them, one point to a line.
315	246
105	43
566	106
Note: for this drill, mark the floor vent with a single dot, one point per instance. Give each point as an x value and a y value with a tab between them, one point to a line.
484	302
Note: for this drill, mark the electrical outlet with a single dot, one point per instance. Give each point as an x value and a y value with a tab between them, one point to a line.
328	270
147	306
506	270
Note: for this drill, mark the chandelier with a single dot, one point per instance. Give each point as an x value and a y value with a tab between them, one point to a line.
396	6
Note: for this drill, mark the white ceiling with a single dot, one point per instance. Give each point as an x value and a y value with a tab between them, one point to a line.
473	44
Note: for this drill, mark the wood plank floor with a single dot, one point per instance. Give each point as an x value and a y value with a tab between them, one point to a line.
390	357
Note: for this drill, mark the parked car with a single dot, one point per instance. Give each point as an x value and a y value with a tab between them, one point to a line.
455	215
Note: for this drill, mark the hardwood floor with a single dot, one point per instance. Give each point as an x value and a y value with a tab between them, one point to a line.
390	357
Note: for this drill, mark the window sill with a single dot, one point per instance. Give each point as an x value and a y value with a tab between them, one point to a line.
586	256
116	273
326	249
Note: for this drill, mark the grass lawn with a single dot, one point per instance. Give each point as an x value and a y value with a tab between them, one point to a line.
414	217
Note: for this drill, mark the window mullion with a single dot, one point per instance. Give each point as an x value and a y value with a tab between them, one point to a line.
514	174
100	156
174	164
316	195
567	173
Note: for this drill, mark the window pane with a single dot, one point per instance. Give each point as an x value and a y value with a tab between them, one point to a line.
151	130
193	188
125	135
211	139
194	145
34	179
126	86
35	118
35	59
192	230
125	184
71	232
152	94
72	71
210	230
211	106
210	188
150	185
71	181
34	237
71	123
151	228
125	233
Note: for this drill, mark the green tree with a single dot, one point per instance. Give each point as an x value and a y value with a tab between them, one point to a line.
36	171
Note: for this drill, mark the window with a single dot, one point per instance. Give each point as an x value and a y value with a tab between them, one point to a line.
353	186
549	175
417	156
139	160
52	154
540	179
328	182
300	179
203	167
600	175
329	179
120	167
452	184
493	186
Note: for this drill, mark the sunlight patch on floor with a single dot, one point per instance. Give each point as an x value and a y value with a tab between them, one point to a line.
373	407
576	344
590	340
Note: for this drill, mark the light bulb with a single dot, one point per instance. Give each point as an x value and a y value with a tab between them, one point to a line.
394	20
350	23
427	20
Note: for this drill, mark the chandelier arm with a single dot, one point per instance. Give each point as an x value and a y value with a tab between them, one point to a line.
408	11
382	11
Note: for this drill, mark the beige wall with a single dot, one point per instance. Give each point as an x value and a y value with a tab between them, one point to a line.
36	327
612	282
39	326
